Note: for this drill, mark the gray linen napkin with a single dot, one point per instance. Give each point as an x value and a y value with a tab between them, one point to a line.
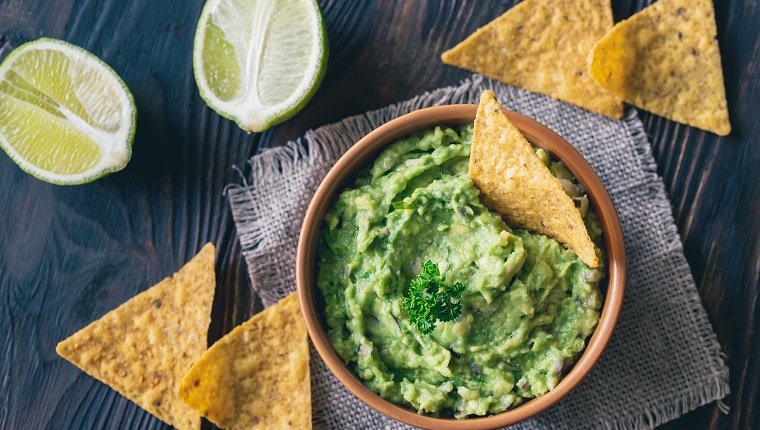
663	359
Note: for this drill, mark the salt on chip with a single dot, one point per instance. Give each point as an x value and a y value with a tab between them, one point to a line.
665	59
542	46
514	182
143	348
257	376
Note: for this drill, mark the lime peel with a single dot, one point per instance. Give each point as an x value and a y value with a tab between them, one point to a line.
259	62
65	116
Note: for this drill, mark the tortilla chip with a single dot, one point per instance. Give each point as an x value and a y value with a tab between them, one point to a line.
143	348
542	46
257	376
665	59
514	182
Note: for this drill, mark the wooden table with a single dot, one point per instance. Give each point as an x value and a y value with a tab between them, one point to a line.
70	254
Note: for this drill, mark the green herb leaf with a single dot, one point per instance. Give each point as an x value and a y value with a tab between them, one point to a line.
431	300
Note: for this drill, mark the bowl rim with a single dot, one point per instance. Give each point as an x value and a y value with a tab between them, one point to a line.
366	149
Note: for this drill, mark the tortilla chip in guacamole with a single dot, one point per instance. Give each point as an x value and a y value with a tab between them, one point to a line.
514	182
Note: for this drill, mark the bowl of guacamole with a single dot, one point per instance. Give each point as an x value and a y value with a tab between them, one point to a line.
432	309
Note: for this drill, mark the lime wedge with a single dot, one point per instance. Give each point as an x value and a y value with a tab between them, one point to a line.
258	62
65	116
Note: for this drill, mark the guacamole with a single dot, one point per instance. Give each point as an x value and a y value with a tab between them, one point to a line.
528	306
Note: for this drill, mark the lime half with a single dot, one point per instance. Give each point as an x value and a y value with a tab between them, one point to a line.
65	116
258	62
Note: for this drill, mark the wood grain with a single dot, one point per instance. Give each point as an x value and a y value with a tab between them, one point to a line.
70	254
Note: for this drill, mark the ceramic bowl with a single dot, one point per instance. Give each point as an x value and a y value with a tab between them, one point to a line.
362	154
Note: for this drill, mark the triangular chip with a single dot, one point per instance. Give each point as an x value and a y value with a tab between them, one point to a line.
665	59
514	182
542	46
257	376
143	348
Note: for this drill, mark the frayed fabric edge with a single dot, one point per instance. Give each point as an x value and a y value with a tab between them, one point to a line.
717	386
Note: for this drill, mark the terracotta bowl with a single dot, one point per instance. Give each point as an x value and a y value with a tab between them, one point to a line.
363	153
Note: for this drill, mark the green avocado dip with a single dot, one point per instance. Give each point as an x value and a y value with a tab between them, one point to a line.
528	306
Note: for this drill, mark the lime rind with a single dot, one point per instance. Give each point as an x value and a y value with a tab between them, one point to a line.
254	115
120	149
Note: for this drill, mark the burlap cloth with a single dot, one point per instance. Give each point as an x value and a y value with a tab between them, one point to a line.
663	359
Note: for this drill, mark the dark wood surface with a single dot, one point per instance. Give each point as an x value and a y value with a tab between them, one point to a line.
70	254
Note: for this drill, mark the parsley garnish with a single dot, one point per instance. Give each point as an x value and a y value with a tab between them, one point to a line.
431	300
